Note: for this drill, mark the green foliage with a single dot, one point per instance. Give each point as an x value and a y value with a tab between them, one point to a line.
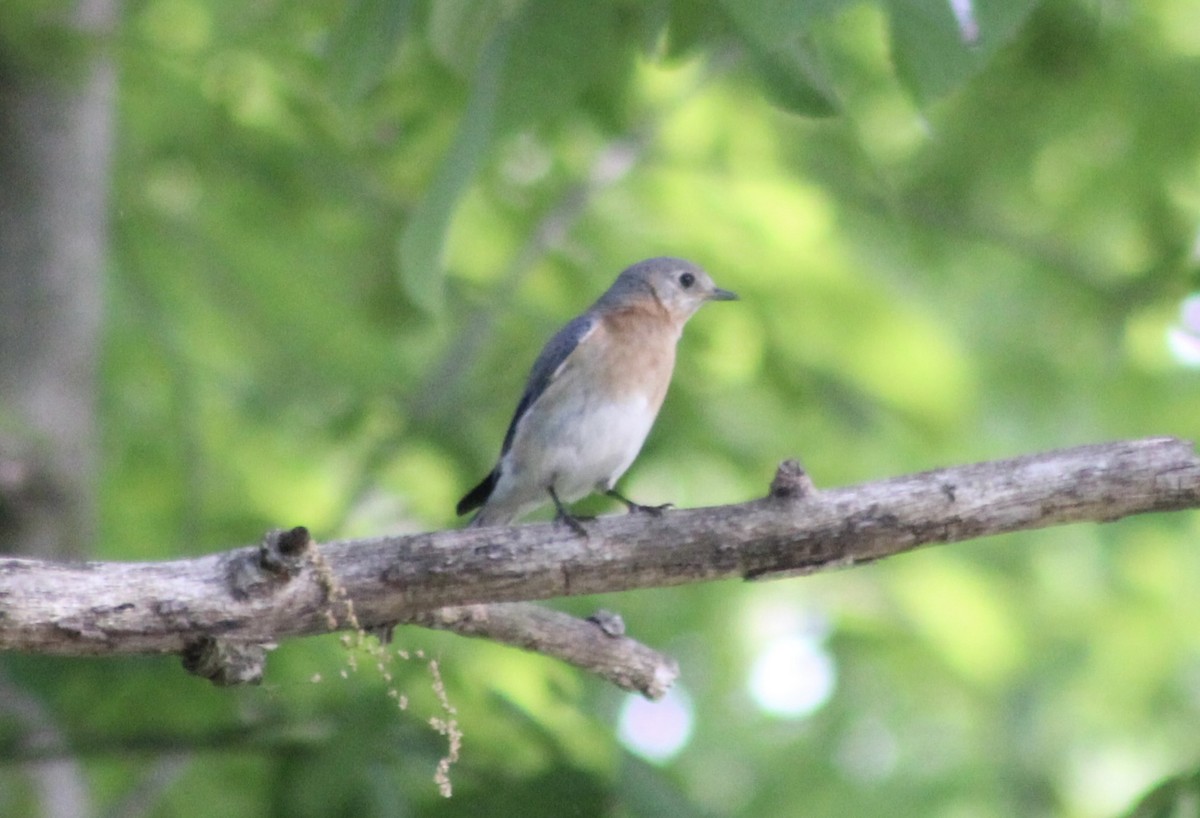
341	233
423	236
362	45
1174	798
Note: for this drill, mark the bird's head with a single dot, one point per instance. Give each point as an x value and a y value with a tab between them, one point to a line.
679	286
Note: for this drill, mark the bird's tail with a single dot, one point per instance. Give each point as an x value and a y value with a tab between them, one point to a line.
479	495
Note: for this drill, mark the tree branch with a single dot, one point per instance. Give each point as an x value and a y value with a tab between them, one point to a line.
288	587
597	644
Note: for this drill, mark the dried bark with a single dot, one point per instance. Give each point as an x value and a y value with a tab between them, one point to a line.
290	587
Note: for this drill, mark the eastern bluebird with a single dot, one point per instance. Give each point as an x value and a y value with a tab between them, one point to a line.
593	394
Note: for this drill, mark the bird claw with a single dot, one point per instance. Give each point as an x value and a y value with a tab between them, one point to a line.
638	508
653	511
572	522
561	515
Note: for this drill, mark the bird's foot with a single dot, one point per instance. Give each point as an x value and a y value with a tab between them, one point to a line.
638	508
573	522
653	511
561	515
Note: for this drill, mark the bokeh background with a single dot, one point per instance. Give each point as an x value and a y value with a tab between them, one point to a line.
288	263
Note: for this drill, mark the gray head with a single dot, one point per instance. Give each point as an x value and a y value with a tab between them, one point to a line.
679	286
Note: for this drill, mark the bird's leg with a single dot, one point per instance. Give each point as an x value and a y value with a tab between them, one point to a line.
562	515
638	508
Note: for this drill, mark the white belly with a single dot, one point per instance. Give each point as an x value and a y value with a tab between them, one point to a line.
594	454
576	449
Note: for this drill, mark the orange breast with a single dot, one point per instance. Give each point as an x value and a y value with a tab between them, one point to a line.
639	354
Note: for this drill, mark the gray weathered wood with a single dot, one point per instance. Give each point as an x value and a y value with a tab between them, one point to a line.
111	607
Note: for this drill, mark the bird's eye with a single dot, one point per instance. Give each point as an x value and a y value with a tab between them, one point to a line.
686	280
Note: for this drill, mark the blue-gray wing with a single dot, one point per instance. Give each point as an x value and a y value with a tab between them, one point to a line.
556	352
545	368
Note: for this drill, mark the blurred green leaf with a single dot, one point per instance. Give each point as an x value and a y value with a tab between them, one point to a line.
422	241
563	50
794	79
936	52
777	36
695	24
458	30
1176	797
39	39
776	21
363	44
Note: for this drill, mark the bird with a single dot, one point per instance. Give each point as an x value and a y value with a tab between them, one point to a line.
592	395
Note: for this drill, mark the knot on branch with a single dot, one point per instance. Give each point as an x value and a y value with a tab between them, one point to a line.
610	622
791	482
280	556
282	552
225	663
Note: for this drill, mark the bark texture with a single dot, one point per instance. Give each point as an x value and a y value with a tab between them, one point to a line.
288	586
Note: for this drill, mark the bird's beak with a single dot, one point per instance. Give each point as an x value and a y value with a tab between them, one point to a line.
722	295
